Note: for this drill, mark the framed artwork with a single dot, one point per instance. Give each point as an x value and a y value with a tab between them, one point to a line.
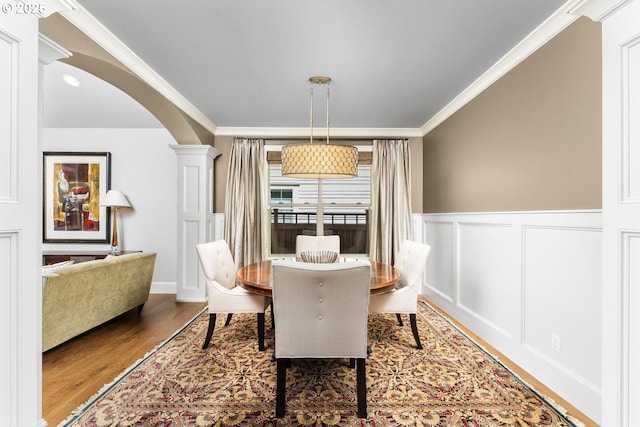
74	184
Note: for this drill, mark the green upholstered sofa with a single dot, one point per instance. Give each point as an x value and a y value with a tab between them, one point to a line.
81	296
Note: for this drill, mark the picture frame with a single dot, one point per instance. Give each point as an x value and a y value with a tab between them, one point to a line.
73	185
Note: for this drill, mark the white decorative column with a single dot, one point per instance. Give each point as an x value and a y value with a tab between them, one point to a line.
195	216
621	216
19	213
620	207
22	60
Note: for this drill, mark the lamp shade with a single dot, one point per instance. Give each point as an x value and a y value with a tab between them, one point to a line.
319	161
115	199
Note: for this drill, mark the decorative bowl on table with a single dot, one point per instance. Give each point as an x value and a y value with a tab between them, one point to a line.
319	256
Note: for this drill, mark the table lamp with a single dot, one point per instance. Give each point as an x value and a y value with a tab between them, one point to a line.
115	199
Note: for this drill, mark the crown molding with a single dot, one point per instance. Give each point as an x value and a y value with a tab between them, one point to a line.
563	17
50	51
274	132
557	22
53	6
597	10
89	25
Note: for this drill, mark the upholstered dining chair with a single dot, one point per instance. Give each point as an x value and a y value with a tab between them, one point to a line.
317	243
321	312
411	260
223	295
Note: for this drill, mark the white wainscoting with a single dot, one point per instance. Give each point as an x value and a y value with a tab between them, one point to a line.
215	228
528	283
218	226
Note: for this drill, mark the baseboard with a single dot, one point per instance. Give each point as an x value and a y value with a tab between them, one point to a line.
163	288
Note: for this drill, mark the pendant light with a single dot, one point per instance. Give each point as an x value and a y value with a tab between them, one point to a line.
319	160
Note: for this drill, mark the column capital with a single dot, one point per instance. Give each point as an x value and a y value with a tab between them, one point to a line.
191	150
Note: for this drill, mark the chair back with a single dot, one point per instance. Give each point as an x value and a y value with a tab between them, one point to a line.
317	243
217	263
321	310
411	260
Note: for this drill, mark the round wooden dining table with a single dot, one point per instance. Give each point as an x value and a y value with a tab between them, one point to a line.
256	277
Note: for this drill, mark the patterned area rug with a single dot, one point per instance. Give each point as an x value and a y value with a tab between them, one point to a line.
451	382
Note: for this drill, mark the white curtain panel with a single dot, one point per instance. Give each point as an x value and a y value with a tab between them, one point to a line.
390	198
246	215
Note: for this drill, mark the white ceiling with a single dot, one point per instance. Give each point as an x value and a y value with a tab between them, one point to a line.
246	63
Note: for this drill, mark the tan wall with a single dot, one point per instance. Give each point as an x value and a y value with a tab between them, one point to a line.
221	165
531	141
417	178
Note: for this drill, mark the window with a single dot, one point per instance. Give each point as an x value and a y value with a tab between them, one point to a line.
281	195
320	207
280	203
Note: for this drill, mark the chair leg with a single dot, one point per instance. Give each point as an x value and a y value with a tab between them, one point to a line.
281	382
261	331
361	379
212	324
228	319
273	319
414	328
352	363
399	319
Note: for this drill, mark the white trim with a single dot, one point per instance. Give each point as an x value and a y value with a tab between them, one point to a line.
50	51
195	150
597	10
218	226
569	211
180	299
89	25
273	132
53	6
163	288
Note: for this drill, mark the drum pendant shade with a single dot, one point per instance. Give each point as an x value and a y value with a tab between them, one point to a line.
319	160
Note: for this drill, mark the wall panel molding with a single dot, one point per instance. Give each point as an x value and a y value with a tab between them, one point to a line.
629	272
20	224
9	273
629	126
528	283
10	92
218	226
621	216
485	274
440	265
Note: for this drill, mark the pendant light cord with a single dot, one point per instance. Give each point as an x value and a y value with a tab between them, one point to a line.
311	83
311	112
328	112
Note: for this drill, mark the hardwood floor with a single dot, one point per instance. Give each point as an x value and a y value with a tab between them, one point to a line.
74	371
